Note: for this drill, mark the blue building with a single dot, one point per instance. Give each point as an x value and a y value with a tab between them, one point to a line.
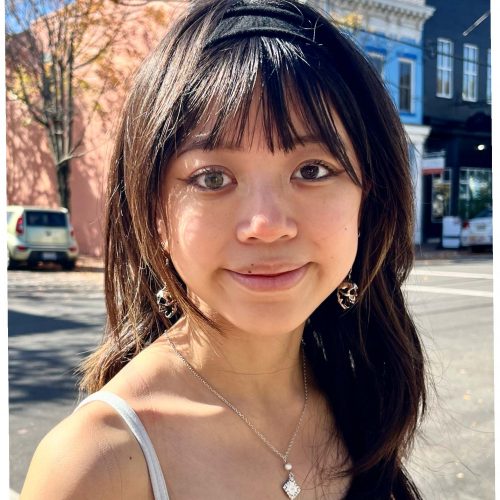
390	32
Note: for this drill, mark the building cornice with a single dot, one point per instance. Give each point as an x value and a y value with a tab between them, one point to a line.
410	8
417	133
396	18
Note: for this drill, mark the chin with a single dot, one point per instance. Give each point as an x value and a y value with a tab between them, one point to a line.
263	318
265	325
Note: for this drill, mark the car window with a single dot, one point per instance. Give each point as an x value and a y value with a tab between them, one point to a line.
10	213
487	212
47	219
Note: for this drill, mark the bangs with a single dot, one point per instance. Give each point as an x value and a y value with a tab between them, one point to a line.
284	81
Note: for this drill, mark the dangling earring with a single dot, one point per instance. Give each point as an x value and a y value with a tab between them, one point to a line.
347	293
166	303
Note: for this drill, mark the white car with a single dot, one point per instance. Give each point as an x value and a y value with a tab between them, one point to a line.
478	231
40	234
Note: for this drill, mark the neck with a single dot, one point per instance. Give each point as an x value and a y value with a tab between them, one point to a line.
264	372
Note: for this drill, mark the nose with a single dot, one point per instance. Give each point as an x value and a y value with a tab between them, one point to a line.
266	218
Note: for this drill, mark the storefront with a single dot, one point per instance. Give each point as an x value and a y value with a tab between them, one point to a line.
463	189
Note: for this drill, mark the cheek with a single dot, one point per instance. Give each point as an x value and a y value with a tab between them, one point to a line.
335	217
190	229
332	225
196	235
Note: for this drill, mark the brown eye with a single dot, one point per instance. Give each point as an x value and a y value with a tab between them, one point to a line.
312	172
309	171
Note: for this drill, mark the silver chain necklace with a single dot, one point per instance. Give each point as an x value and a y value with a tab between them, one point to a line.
291	487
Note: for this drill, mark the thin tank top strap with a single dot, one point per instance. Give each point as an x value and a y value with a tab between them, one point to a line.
137	428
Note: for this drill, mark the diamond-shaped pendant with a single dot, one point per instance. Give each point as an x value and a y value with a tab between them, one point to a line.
292	489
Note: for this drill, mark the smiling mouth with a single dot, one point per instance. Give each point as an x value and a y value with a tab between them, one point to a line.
270	281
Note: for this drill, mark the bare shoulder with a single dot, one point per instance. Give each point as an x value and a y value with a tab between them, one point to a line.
89	455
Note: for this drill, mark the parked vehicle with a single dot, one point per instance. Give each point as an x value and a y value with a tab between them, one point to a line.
39	234
478	231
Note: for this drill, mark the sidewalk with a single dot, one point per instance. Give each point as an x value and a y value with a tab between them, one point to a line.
432	251
86	263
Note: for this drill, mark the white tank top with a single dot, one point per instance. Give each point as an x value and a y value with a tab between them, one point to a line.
134	423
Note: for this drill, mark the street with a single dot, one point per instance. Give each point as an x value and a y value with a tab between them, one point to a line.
453	308
56	318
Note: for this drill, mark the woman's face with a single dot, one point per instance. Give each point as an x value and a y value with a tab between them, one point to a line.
261	239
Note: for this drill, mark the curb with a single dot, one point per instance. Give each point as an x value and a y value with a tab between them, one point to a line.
433	253
89	264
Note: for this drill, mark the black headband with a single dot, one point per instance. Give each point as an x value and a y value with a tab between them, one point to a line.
257	18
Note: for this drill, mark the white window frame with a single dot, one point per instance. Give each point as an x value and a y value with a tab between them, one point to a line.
470	71
411	62
488	78
381	57
444	66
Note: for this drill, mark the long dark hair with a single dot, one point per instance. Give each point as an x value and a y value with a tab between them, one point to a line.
368	361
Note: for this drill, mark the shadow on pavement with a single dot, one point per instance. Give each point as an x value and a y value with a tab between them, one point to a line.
21	323
44	371
39	375
43	354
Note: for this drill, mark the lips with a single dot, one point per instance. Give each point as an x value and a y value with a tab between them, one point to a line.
270	278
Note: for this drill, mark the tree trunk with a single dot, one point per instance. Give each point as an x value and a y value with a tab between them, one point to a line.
63	171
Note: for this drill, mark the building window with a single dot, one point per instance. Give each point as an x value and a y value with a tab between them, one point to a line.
444	68
441	191
406	85
488	79
378	61
475	191
469	87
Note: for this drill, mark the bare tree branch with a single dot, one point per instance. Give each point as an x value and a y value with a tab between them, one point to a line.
35	112
48	43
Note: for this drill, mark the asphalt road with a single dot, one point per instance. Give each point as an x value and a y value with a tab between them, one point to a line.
453	306
55	318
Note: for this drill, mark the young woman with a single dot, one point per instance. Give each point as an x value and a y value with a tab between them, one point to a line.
260	185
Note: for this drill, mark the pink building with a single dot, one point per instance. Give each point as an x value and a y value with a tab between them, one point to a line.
31	176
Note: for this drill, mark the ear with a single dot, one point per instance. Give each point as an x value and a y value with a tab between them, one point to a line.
162	231
367	186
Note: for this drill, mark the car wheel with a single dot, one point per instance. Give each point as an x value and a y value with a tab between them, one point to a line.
69	266
11	264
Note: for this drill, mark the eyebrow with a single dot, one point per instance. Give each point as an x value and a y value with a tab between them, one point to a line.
202	142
